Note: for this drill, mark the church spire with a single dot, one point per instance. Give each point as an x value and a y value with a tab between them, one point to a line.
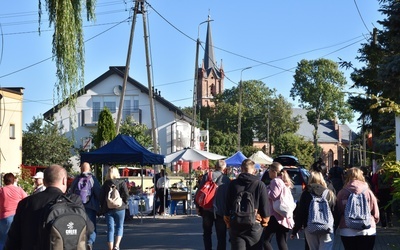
209	59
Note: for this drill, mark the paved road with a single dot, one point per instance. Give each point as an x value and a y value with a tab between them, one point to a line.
184	232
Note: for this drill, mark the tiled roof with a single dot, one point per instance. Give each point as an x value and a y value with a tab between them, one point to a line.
326	129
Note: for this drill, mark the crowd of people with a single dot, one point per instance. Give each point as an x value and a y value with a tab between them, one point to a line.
21	214
336	187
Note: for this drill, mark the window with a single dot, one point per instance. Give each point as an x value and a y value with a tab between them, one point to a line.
127	109
109	102
96	111
12	131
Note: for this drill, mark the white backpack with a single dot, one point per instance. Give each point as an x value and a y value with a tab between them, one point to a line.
114	200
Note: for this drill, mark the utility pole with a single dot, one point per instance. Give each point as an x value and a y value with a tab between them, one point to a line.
126	73
240	109
139	8
149	81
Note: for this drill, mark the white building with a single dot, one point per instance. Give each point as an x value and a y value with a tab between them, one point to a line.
11	129
173	126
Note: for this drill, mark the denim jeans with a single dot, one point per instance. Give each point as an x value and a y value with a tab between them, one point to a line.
220	227
5	225
115	219
92	216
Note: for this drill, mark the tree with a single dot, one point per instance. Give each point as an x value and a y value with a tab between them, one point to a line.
105	128
68	44
139	131
223	143
258	102
319	85
280	119
42	145
297	146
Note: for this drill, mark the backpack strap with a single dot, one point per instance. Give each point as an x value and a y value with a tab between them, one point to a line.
209	176
325	193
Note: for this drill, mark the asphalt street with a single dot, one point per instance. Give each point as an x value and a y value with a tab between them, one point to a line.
185	232
176	232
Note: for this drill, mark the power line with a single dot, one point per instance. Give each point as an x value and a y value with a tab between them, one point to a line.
359	13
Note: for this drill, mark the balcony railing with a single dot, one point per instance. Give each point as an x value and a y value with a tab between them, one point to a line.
90	117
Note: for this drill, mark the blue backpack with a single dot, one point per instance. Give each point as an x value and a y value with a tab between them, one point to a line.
84	188
320	218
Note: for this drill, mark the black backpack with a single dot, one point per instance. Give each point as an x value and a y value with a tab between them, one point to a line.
64	225
243	214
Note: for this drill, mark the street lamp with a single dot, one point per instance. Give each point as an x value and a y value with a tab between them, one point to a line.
240	108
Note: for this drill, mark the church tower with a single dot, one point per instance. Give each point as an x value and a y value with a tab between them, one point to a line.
210	76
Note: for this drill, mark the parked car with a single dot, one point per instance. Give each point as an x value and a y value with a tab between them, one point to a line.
297	173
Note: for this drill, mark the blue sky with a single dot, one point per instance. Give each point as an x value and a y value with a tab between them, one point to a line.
269	36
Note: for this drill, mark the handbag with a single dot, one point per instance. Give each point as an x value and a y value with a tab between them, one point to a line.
285	205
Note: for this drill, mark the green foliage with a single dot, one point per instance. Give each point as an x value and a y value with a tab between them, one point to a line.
319	85
68	44
223	143
105	128
43	145
280	120
139	131
259	104
25	181
297	146
249	150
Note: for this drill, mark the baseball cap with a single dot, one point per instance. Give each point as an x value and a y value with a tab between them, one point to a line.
38	175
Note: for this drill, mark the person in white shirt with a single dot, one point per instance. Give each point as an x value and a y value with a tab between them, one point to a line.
162	191
39	186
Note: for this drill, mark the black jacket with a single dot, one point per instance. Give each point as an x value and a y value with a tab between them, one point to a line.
24	231
260	195
123	192
301	215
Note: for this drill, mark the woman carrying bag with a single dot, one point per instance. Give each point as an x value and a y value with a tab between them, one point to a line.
280	198
113	208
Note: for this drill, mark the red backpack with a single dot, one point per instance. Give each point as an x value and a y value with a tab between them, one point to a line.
205	195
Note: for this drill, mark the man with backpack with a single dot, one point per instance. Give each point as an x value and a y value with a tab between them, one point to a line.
214	213
88	188
247	209
30	230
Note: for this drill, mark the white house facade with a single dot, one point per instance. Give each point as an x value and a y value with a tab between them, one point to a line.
173	126
10	130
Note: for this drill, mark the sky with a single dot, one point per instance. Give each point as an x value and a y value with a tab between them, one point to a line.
271	37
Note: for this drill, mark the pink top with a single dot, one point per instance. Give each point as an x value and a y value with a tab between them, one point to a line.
357	187
275	189
10	195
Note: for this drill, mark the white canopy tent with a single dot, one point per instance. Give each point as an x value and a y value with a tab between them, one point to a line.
261	158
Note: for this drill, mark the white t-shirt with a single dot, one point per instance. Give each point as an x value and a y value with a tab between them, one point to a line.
163	182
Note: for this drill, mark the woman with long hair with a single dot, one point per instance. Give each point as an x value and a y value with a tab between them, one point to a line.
316	187
114	216
354	239
278	224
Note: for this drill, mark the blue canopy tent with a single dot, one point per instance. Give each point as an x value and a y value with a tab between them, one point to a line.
122	150
237	159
